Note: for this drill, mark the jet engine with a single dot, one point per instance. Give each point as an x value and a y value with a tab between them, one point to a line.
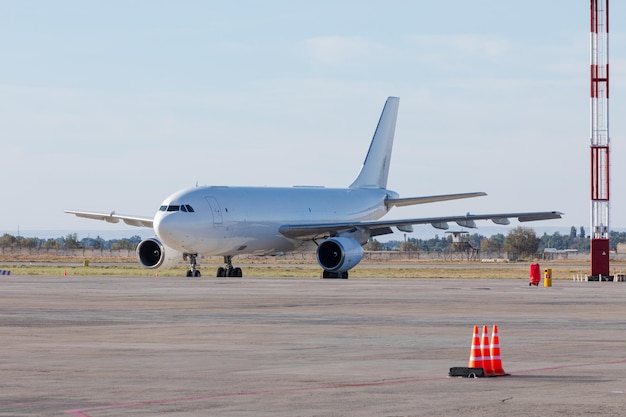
339	254
153	254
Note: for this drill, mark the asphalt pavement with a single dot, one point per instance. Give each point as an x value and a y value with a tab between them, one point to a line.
146	346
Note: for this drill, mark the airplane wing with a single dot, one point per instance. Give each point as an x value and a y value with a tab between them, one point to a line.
391	202
381	227
114	218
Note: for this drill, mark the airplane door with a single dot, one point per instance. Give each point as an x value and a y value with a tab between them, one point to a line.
216	210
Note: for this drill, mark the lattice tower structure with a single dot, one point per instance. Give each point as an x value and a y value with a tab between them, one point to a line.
600	141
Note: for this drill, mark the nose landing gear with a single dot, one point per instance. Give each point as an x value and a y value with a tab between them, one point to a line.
193	259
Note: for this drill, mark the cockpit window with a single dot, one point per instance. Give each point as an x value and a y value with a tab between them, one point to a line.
175	207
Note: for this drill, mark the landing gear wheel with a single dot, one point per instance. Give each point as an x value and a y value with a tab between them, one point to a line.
193	261
229	270
195	273
334	275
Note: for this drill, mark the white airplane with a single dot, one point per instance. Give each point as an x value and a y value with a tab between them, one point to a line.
336	222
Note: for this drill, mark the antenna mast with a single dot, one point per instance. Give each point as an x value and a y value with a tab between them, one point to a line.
599	139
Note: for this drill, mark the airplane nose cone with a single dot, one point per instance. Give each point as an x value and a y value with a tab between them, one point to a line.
178	231
165	229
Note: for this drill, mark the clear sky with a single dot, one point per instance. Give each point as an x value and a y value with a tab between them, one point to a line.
114	105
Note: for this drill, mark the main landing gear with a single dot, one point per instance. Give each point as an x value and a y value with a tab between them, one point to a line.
229	271
193	259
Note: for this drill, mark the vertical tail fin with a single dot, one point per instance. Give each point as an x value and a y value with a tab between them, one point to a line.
376	166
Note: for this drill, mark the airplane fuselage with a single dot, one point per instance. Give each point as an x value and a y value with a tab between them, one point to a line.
230	221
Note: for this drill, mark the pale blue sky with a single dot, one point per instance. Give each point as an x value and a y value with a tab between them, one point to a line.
114	105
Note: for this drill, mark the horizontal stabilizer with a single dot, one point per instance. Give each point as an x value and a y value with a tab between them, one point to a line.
399	202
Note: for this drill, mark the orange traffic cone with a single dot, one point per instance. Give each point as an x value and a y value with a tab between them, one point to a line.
476	354
486	353
496	359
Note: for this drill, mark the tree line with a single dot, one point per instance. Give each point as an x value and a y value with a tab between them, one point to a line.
68	242
521	240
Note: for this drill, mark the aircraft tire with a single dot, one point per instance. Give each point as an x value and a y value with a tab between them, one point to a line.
338	275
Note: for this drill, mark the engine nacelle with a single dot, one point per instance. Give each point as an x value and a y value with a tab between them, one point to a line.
153	254
339	254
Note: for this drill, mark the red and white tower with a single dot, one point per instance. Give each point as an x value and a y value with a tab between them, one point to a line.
600	138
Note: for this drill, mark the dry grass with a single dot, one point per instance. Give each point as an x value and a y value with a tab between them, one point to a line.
299	268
